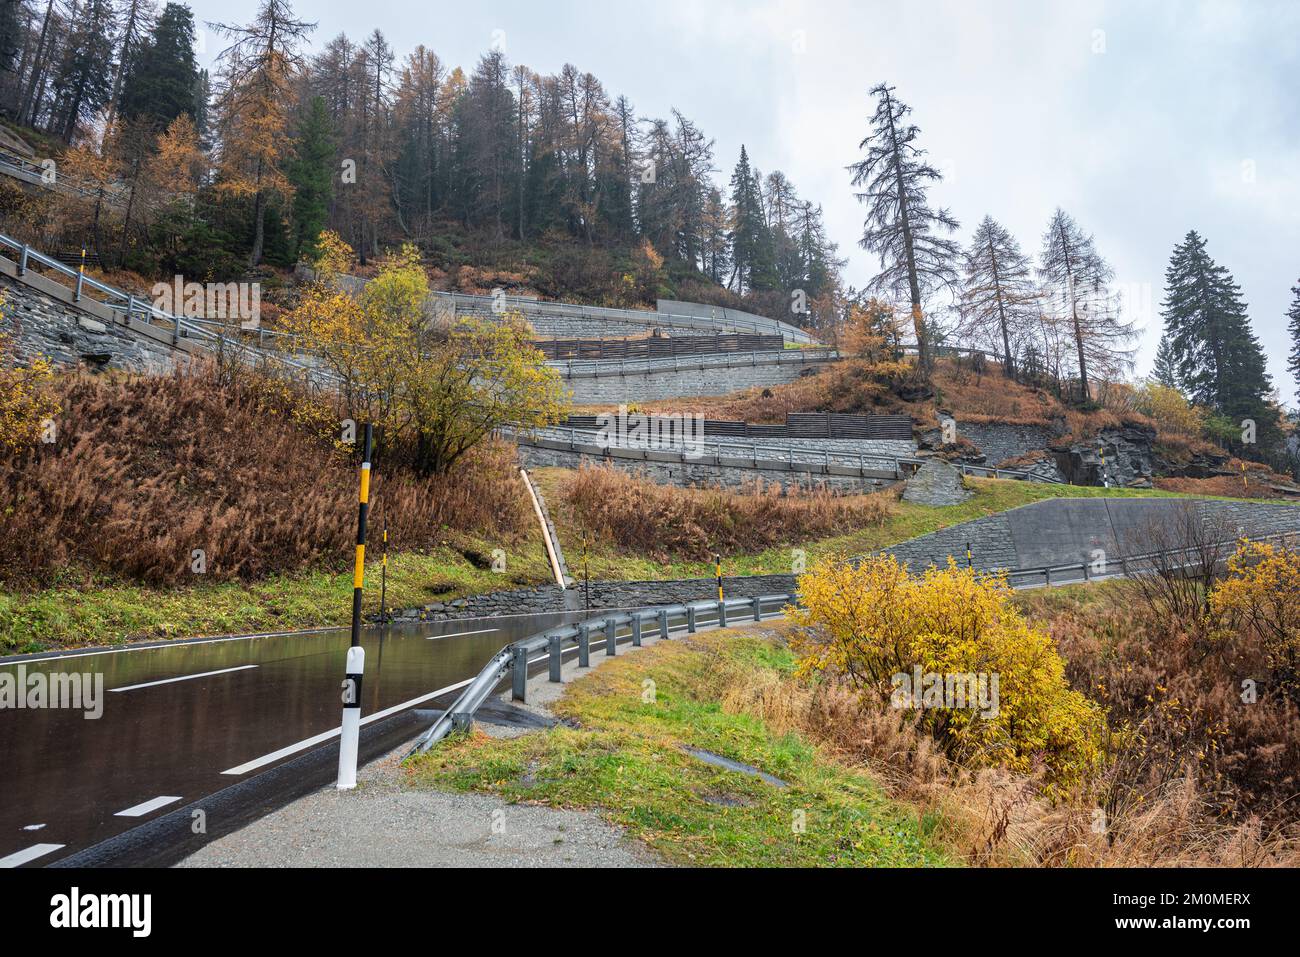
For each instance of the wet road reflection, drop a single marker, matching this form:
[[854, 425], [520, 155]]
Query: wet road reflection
[[65, 779]]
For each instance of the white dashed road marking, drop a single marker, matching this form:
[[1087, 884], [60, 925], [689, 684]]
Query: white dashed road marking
[[140, 810], [28, 854]]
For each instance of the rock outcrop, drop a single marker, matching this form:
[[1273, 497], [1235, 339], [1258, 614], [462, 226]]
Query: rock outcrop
[[936, 483]]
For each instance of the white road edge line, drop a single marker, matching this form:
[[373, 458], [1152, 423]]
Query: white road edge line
[[19, 858], [140, 810], [460, 634], [333, 732], [167, 681]]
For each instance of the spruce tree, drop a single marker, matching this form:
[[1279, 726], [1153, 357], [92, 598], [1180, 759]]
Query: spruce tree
[[160, 81], [1218, 360], [1293, 327], [900, 226], [1165, 369], [311, 172], [751, 243]]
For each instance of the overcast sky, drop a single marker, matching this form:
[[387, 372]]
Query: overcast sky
[[1141, 119]]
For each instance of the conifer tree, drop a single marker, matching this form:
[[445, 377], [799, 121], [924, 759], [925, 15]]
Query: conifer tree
[[160, 81], [999, 299], [258, 71], [901, 227], [1293, 327], [1078, 282], [1218, 360], [311, 172], [1165, 369]]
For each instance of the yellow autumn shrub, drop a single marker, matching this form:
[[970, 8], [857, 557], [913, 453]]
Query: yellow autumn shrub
[[883, 629], [26, 398], [1261, 595]]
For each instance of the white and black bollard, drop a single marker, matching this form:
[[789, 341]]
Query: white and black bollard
[[350, 732], [350, 736]]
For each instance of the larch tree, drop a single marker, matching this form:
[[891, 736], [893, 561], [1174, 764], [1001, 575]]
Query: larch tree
[[1077, 281], [999, 298], [255, 95], [901, 227]]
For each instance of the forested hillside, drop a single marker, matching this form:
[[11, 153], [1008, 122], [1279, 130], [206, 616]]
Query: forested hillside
[[502, 175]]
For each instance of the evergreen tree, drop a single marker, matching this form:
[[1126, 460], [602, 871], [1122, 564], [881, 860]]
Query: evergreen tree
[[1293, 327], [84, 79], [1165, 368], [160, 82], [1218, 360], [999, 300], [311, 173], [751, 243], [900, 226]]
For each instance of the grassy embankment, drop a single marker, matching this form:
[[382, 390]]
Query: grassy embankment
[[905, 521], [626, 758], [108, 611]]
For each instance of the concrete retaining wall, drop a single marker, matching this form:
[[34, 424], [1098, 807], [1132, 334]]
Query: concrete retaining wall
[[642, 381]]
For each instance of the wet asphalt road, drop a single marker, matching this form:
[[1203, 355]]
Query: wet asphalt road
[[183, 721]]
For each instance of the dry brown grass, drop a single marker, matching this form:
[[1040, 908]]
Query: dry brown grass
[[995, 818], [664, 522], [147, 469]]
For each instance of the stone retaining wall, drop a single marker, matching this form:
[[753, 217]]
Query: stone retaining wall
[[68, 337], [603, 594]]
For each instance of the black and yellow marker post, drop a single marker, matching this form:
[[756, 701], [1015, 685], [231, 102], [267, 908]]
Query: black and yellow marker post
[[717, 570], [350, 731], [969, 562], [363, 510]]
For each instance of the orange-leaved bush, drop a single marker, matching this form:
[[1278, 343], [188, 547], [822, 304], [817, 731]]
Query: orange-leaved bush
[[870, 623]]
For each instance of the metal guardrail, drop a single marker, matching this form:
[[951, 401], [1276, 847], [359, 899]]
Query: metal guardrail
[[208, 334], [1125, 566], [658, 347], [36, 174], [552, 645], [515, 659]]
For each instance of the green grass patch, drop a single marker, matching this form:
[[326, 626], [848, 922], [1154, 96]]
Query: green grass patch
[[625, 756], [104, 611], [908, 521]]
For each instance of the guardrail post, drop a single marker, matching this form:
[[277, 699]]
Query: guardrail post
[[663, 623], [636, 629], [518, 674], [22, 261], [690, 619], [722, 613], [556, 657], [130, 310], [76, 293], [611, 640], [757, 602], [1047, 576], [584, 646]]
